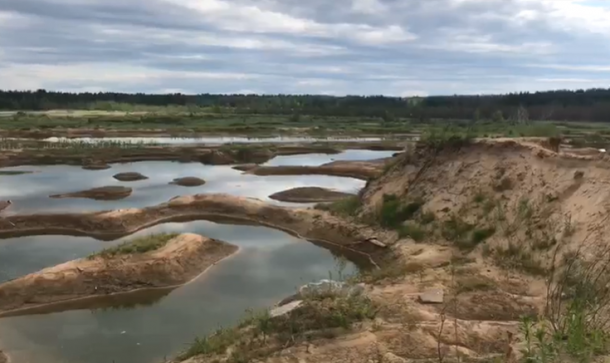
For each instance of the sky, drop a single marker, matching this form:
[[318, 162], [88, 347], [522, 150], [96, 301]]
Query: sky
[[366, 47]]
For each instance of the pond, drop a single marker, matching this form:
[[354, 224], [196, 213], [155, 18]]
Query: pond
[[29, 192], [270, 266], [146, 327]]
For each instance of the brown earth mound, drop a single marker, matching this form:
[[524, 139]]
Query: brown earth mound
[[3, 357], [130, 176], [309, 195], [351, 169], [96, 167], [102, 193], [189, 181], [181, 259]]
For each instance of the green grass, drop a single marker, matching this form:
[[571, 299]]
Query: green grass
[[347, 207], [259, 334], [136, 246]]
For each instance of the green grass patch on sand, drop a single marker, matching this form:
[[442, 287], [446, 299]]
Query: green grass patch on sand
[[136, 245]]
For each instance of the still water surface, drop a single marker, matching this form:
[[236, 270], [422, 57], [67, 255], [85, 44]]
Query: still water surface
[[29, 192], [270, 265], [144, 328]]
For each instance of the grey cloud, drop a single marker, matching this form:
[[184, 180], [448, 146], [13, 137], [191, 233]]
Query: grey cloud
[[394, 47]]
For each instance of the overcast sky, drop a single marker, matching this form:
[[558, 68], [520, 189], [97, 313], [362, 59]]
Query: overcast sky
[[391, 47]]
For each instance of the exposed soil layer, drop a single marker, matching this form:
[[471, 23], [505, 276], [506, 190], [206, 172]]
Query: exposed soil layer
[[102, 193], [216, 155], [352, 169], [309, 195], [129, 176], [177, 262], [189, 181]]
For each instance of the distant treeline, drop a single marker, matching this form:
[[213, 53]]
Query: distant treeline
[[563, 105]]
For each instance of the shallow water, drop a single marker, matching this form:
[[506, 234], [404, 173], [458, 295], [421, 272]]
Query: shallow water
[[209, 140], [269, 267], [29, 192], [148, 326]]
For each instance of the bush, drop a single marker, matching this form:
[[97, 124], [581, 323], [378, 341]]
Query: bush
[[347, 207]]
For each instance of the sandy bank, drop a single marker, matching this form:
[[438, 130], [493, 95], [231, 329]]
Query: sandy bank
[[352, 169], [102, 193], [309, 195], [307, 223], [177, 262]]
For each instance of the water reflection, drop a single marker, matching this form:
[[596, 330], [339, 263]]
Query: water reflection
[[147, 327], [29, 192]]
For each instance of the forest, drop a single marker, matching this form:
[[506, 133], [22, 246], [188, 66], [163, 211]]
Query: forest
[[591, 105]]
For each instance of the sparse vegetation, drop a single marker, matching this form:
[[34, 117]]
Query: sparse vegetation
[[137, 245], [413, 230], [346, 207], [259, 334]]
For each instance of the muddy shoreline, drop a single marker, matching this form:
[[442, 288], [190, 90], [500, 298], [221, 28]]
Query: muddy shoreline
[[92, 157], [79, 283], [310, 224], [309, 195], [349, 169]]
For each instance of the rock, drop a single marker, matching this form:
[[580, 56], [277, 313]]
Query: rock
[[245, 167], [103, 193], [96, 167], [309, 195], [131, 176], [5, 204], [285, 309], [433, 296], [189, 181], [579, 174], [376, 242]]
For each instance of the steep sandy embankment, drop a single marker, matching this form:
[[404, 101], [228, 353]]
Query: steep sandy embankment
[[181, 259], [489, 217]]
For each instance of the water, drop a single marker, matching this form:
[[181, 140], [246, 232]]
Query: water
[[146, 327], [29, 192], [269, 267], [213, 140]]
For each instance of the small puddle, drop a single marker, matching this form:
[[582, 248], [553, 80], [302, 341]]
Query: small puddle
[[147, 326]]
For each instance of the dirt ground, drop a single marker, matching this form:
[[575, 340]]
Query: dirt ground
[[180, 260]]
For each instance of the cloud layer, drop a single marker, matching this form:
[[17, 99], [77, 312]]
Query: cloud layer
[[392, 47]]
